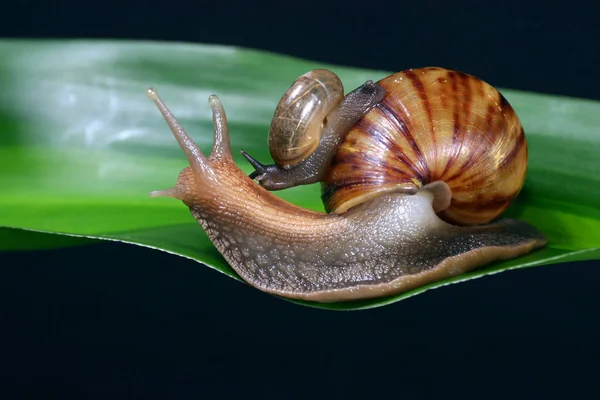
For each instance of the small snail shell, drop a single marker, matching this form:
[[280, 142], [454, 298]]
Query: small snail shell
[[298, 121], [433, 125], [375, 140]]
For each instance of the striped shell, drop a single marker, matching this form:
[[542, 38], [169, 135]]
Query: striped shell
[[434, 124]]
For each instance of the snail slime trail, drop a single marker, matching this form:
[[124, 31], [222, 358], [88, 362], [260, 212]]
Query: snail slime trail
[[416, 170]]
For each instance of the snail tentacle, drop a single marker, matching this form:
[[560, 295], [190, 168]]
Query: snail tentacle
[[201, 171], [193, 153], [259, 168], [222, 143], [385, 246], [339, 121]]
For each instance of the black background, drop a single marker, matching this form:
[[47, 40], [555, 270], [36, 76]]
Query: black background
[[118, 321]]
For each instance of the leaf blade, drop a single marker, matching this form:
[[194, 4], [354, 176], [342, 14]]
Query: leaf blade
[[81, 146]]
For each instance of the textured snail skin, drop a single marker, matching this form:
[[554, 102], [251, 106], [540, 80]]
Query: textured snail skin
[[340, 118], [382, 247]]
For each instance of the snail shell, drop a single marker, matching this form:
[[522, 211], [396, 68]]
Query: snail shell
[[298, 121], [433, 125]]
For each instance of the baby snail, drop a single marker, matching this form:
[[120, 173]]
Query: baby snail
[[415, 170]]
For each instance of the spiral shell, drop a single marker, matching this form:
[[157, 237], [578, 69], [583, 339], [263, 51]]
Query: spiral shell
[[298, 121], [434, 124]]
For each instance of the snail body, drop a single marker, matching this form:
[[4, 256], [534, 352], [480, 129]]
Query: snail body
[[414, 170]]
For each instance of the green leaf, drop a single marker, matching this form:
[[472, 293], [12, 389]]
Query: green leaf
[[81, 146]]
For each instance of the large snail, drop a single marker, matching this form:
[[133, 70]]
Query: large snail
[[414, 170]]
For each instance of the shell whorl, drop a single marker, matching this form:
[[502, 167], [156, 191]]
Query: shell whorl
[[433, 124], [297, 124]]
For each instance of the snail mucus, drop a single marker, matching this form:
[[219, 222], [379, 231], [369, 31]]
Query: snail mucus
[[415, 171]]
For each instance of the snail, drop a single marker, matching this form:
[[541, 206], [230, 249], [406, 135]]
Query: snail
[[415, 171]]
